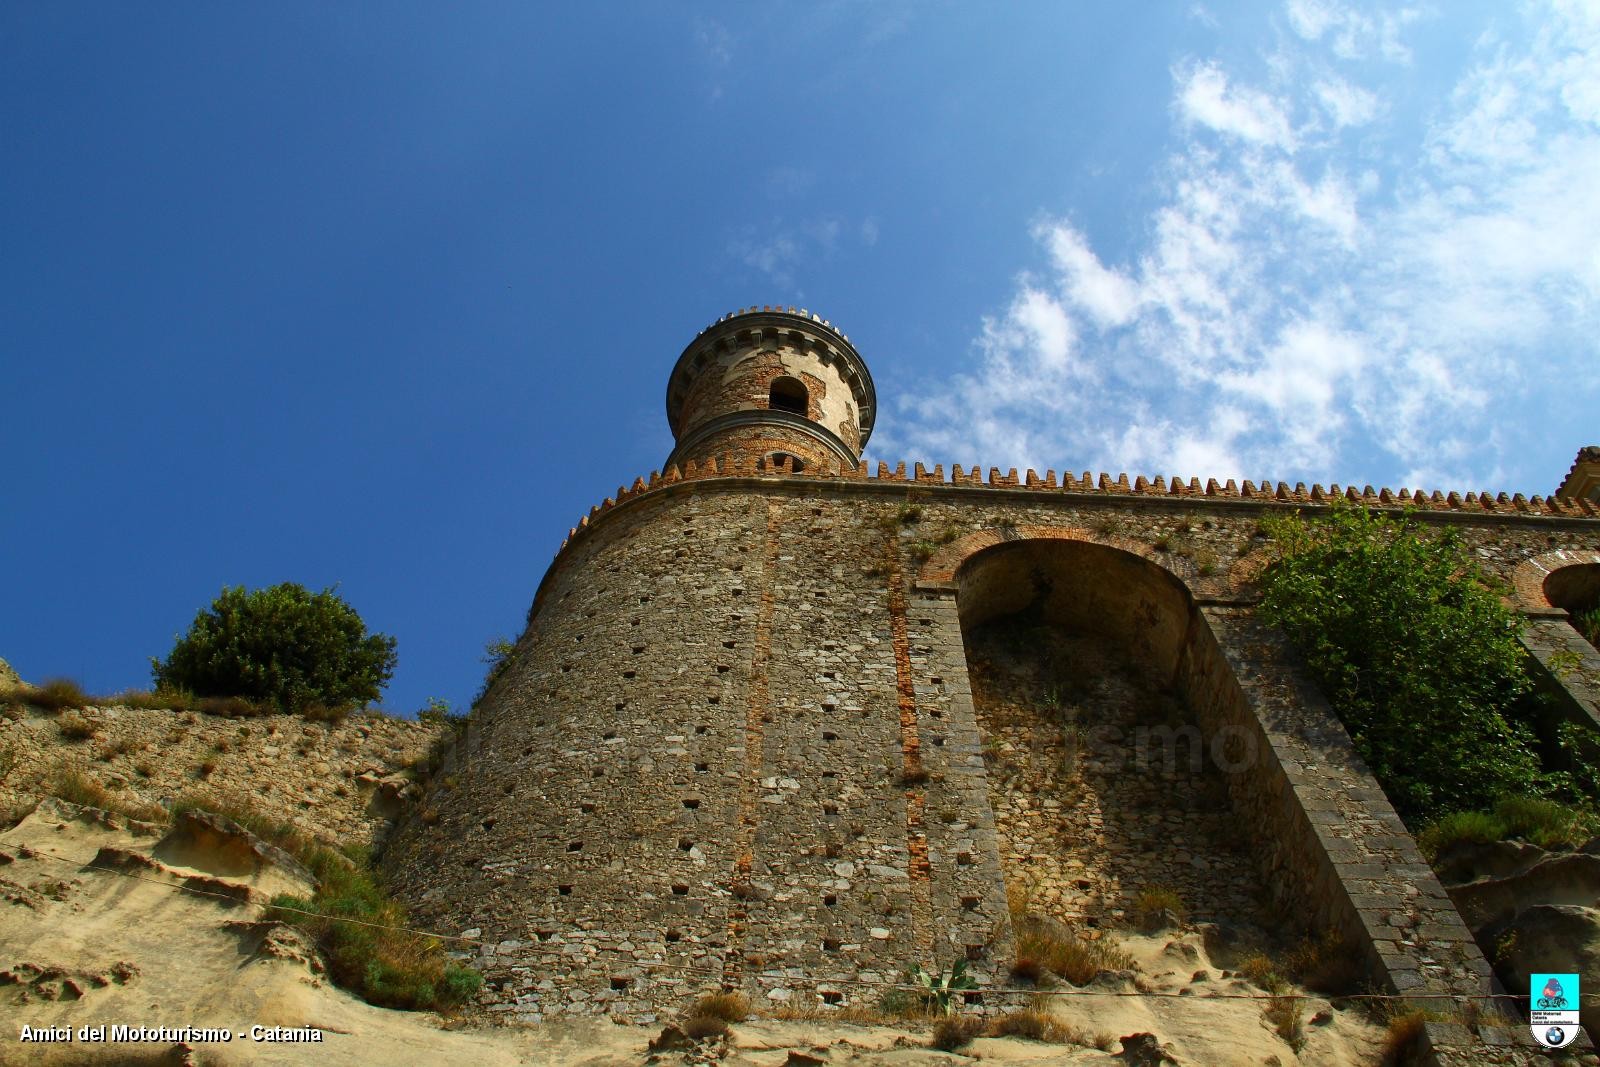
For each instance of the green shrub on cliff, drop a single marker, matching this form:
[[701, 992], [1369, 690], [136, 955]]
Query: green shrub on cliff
[[364, 936], [1415, 649], [283, 645]]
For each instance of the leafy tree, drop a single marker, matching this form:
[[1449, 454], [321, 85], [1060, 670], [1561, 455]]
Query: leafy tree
[[1415, 649], [283, 645]]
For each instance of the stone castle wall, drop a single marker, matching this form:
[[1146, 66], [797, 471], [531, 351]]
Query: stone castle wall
[[737, 744]]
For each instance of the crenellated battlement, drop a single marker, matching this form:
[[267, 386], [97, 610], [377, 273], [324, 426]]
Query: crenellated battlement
[[771, 309], [1266, 491]]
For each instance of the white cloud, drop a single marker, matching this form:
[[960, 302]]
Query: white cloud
[[1346, 104], [1205, 97], [1350, 33], [1311, 18], [1293, 313], [1108, 296]]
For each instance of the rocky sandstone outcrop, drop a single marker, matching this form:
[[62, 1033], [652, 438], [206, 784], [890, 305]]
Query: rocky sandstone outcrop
[[1534, 910], [342, 781]]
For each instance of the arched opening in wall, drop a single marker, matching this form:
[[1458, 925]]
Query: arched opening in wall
[[776, 459], [788, 394], [1577, 590], [1104, 788]]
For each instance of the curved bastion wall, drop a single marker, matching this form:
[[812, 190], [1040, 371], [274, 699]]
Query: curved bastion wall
[[737, 746], [694, 773]]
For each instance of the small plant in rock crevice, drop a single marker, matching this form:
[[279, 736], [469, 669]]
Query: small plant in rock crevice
[[942, 988]]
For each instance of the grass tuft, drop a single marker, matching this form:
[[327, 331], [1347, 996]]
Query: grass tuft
[[1403, 1044], [1542, 822], [700, 1027], [1033, 1024], [957, 1031], [75, 727], [1261, 970], [57, 694], [1155, 899], [76, 787], [1326, 965], [1055, 947], [729, 1007]]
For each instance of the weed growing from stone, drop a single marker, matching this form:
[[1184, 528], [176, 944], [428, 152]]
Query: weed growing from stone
[[941, 988], [1261, 970]]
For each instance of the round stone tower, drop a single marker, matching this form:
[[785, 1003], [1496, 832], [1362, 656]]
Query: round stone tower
[[772, 383]]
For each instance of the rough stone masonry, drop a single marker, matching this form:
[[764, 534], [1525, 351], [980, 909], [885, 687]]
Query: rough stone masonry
[[779, 726]]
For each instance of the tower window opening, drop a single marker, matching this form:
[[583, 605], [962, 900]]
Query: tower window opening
[[788, 394]]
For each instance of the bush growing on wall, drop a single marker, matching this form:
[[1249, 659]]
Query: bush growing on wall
[[283, 645], [1416, 651]]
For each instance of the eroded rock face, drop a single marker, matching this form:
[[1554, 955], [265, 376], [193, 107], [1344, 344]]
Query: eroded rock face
[[8, 677], [1561, 878], [1530, 909], [217, 845], [1552, 937], [1468, 861]]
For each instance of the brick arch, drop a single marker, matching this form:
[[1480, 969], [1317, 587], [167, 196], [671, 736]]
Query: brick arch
[[1530, 580], [940, 569]]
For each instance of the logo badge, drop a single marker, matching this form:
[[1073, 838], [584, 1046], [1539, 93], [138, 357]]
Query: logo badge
[[1553, 1009]]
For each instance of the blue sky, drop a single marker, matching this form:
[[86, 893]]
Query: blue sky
[[387, 297]]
